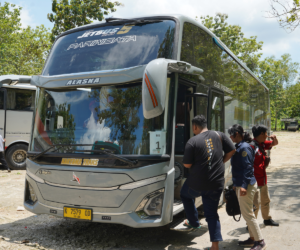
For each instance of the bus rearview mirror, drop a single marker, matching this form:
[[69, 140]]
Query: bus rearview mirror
[[155, 83]]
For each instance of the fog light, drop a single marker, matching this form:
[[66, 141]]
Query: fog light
[[151, 205], [30, 195]]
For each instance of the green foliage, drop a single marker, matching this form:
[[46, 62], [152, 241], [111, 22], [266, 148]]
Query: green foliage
[[246, 49], [288, 15], [22, 50], [293, 101], [278, 75], [121, 115], [69, 14]]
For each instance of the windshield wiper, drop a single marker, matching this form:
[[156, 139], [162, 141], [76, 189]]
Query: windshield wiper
[[103, 151], [106, 151], [132, 21]]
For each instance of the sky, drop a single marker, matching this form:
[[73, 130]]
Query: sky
[[249, 14]]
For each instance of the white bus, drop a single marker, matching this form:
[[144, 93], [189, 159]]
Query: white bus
[[114, 106], [16, 112]]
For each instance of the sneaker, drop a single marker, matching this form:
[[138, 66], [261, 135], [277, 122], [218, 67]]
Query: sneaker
[[270, 222], [259, 245], [246, 243]]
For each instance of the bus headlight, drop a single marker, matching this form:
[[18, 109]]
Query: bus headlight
[[151, 205]]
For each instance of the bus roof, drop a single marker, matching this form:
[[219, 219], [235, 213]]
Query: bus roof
[[19, 86], [182, 19], [12, 80]]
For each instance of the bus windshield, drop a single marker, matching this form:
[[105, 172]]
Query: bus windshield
[[108, 117], [111, 47]]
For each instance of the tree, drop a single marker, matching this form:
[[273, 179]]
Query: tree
[[278, 75], [69, 14], [246, 49], [9, 25], [22, 50], [287, 13], [121, 115], [293, 100]]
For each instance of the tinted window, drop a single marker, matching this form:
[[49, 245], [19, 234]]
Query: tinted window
[[111, 47], [199, 49], [246, 100], [20, 99]]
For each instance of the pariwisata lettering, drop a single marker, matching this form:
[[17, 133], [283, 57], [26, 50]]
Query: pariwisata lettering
[[123, 39]]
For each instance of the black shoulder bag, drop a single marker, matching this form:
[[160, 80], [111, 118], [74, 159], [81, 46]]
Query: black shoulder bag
[[232, 204]]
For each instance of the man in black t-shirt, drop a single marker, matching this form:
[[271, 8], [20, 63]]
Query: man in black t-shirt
[[204, 157]]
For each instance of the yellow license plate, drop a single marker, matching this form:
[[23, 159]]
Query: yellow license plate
[[71, 161], [78, 213]]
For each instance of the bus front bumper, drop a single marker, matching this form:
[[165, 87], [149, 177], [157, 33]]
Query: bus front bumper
[[126, 214]]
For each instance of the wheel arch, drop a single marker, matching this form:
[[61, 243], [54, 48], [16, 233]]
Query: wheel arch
[[16, 142]]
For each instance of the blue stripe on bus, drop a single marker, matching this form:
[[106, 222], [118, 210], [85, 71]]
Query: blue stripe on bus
[[217, 43]]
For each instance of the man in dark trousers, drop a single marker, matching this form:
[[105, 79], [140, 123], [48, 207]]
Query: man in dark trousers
[[262, 196], [204, 157], [2, 158]]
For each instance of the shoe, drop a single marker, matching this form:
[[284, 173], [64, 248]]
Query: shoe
[[8, 170], [270, 222], [246, 243], [259, 245]]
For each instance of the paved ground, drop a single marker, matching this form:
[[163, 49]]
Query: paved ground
[[48, 232]]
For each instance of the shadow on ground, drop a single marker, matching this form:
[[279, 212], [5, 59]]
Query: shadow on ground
[[55, 233]]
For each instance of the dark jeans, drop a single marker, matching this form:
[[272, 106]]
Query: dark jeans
[[3, 161], [210, 201]]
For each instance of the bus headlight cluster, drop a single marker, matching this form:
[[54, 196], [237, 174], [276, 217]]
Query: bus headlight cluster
[[151, 205]]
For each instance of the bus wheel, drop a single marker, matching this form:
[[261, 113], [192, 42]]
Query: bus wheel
[[16, 156]]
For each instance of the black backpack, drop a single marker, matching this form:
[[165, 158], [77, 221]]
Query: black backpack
[[232, 204]]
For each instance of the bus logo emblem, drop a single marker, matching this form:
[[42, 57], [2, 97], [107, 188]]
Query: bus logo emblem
[[75, 178]]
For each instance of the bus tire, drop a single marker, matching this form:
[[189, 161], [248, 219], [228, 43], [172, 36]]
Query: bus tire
[[16, 156]]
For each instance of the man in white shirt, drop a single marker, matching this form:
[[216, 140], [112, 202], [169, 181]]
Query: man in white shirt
[[2, 158]]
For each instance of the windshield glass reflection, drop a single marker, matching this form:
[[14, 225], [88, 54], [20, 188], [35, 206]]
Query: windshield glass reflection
[[111, 47], [109, 118]]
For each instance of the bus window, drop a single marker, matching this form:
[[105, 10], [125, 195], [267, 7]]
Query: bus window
[[108, 47], [20, 99], [217, 112]]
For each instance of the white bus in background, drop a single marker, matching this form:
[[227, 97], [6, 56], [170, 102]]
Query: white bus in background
[[16, 110]]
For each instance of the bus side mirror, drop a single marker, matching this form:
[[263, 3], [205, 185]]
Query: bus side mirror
[[155, 83]]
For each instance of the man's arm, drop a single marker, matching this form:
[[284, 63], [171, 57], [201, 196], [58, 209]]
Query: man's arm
[[274, 140], [227, 156], [189, 156]]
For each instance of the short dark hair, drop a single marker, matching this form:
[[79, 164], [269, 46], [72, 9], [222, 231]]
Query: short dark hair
[[258, 129], [200, 121]]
